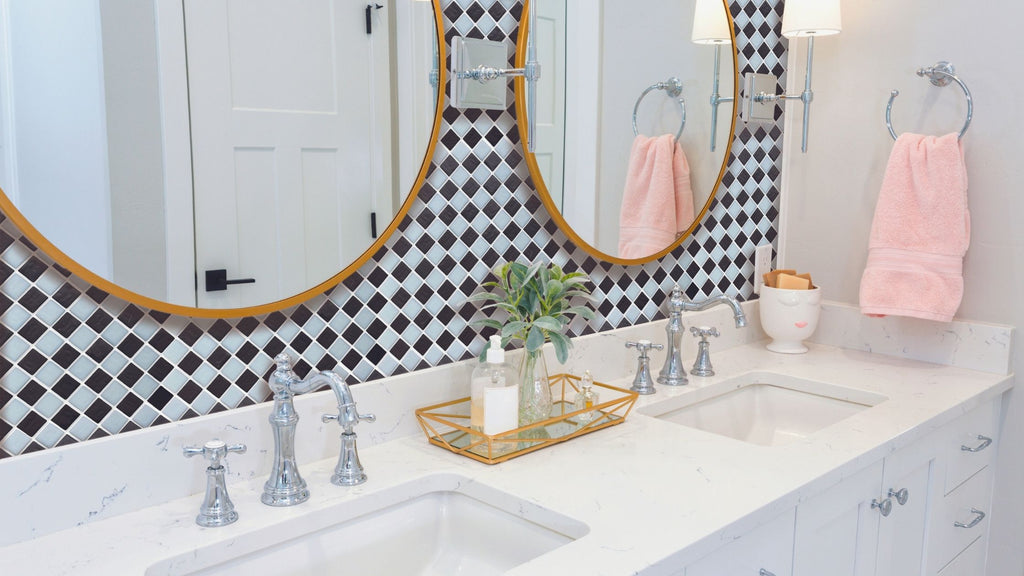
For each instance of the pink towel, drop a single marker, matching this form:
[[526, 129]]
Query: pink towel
[[657, 204], [920, 232]]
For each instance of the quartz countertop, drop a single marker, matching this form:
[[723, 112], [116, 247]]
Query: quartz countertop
[[654, 495]]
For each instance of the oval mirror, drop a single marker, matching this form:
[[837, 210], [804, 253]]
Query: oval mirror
[[240, 172], [605, 67]]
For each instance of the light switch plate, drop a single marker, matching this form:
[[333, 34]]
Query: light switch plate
[[762, 265], [470, 53], [753, 84]]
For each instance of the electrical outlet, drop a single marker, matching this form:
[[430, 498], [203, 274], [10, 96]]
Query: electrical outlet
[[762, 265]]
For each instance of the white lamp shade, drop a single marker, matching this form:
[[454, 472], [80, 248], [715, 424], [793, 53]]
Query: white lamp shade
[[710, 23], [811, 18]]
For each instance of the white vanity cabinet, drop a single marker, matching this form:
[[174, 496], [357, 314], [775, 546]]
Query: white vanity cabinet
[[764, 551], [922, 510], [873, 523]]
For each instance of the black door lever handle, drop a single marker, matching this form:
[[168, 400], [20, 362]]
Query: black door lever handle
[[217, 280]]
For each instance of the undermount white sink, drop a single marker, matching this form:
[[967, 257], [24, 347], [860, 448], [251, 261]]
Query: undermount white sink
[[439, 532], [764, 408]]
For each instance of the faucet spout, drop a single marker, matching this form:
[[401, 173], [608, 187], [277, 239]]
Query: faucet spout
[[737, 311], [349, 470], [285, 487], [673, 373]]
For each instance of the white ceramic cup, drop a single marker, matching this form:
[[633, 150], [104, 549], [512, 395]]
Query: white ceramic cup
[[789, 317]]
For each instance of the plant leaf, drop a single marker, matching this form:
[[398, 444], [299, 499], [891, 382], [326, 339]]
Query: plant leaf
[[548, 323], [562, 344], [487, 323], [535, 339], [513, 328]]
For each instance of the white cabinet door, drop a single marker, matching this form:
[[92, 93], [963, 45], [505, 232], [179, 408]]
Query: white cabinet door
[[837, 531], [903, 533], [768, 548]]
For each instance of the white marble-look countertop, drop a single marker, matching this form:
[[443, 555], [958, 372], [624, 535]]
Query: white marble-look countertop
[[653, 495]]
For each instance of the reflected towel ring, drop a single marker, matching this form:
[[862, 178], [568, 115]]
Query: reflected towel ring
[[674, 88], [940, 75]]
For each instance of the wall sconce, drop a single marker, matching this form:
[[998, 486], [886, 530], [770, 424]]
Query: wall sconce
[[801, 18], [476, 62], [710, 26]]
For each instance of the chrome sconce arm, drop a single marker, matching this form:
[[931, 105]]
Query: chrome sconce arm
[[716, 98], [465, 52], [801, 19]]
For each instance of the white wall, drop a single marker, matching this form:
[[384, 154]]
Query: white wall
[[830, 192]]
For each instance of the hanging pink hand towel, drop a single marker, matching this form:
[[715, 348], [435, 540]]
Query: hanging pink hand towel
[[920, 232], [657, 204]]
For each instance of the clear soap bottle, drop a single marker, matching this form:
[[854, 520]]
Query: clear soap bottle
[[586, 398], [494, 393]]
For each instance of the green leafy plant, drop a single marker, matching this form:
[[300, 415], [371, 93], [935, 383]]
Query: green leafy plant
[[538, 300]]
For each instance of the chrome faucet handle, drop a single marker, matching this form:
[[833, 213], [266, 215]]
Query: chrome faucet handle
[[642, 383], [217, 508], [702, 365], [349, 471]]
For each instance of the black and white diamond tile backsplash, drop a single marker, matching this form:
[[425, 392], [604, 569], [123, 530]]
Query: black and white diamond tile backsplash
[[78, 363]]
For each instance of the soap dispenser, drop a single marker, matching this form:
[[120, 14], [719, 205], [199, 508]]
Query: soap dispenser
[[494, 393]]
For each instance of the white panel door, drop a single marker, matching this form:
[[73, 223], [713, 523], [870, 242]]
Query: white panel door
[[837, 531], [768, 547], [902, 534], [290, 113], [550, 113]]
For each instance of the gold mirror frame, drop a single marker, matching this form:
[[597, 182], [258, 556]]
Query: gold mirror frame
[[538, 181], [65, 261]]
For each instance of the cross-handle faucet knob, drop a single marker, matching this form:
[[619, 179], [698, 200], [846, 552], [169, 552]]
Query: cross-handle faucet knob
[[702, 365], [704, 331], [348, 424], [213, 451], [642, 383], [217, 508]]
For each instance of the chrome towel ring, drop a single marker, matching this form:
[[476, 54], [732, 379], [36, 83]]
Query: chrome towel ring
[[940, 75], [674, 88]]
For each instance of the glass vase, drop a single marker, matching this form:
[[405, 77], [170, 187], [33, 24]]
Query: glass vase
[[534, 389]]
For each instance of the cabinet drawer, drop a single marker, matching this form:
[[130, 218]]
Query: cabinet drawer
[[962, 517], [768, 547], [970, 562], [970, 444]]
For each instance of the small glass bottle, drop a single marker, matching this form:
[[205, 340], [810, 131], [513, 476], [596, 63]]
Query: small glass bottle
[[586, 398], [494, 393]]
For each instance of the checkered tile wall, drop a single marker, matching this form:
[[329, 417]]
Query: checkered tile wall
[[77, 363]]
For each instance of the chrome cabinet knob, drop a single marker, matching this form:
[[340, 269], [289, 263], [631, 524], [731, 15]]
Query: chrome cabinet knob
[[764, 572], [885, 506], [901, 495]]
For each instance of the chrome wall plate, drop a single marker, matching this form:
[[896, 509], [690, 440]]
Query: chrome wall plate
[[467, 91], [755, 109]]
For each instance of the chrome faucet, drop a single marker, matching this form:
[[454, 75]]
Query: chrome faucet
[[217, 508], [349, 470], [674, 373], [285, 486]]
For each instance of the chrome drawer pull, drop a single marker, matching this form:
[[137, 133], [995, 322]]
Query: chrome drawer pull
[[985, 441], [764, 572], [978, 517]]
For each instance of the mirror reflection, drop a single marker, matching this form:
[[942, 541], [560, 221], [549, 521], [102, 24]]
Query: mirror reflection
[[608, 66], [276, 145]]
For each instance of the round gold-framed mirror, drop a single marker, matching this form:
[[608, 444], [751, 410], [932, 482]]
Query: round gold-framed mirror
[[606, 107], [131, 131]]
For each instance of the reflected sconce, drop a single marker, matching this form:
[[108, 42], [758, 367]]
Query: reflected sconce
[[711, 27], [800, 19], [475, 63]]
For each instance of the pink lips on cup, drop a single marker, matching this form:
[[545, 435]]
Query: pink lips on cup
[[801, 324]]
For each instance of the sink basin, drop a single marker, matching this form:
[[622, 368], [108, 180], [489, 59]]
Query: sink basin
[[764, 408], [440, 532]]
